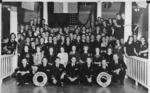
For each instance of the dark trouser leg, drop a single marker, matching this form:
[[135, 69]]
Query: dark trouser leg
[[114, 77], [19, 78], [122, 75], [27, 78], [87, 82]]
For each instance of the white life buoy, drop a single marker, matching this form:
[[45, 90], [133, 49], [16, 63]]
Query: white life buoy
[[40, 79], [103, 79]]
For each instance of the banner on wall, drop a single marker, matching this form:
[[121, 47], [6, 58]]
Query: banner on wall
[[65, 7]]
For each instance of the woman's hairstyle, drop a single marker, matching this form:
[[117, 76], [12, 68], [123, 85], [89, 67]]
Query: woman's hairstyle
[[11, 35], [129, 38]]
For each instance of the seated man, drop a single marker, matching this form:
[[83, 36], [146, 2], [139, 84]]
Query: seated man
[[118, 68], [58, 73], [72, 71], [104, 67], [45, 67], [23, 72], [88, 72]]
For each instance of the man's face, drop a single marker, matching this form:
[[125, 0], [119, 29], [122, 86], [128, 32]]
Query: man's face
[[88, 60], [115, 57], [57, 61], [73, 60]]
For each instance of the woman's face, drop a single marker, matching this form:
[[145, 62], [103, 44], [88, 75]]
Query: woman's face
[[38, 49], [51, 50], [103, 39], [114, 21], [33, 44], [97, 50], [74, 36], [92, 37], [62, 38], [28, 39], [31, 22], [22, 27], [26, 49], [87, 38], [131, 39], [62, 49], [118, 42], [110, 21], [42, 40], [12, 37], [85, 48], [68, 39], [118, 16], [142, 40], [78, 38], [54, 39], [73, 48], [50, 38], [41, 30], [109, 50]]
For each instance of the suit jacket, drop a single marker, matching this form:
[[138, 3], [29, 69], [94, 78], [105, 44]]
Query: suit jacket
[[88, 71], [72, 71], [57, 72], [120, 65]]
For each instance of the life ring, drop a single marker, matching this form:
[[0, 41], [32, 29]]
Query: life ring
[[103, 79], [40, 79]]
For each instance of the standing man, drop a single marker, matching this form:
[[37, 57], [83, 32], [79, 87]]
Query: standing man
[[118, 68]]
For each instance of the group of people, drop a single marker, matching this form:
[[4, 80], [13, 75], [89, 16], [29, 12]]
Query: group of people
[[73, 56]]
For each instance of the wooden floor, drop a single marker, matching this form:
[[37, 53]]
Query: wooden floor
[[9, 86]]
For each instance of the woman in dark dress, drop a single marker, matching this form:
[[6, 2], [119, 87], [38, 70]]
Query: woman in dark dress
[[68, 45], [143, 48], [50, 56], [97, 56], [119, 25], [129, 47], [74, 53], [119, 49], [78, 44], [12, 44], [50, 42], [103, 45], [26, 54], [109, 55]]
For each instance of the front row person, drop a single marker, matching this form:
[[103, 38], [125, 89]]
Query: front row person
[[118, 69], [88, 72], [72, 72], [58, 73], [46, 68], [23, 72]]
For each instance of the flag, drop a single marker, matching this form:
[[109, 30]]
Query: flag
[[28, 5], [65, 7]]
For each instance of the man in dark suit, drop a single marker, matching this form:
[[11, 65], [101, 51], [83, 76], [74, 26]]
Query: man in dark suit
[[72, 72], [45, 67], [88, 72], [58, 73], [118, 69], [23, 72]]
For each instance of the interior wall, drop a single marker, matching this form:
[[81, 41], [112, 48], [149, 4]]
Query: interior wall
[[25, 15], [5, 23]]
